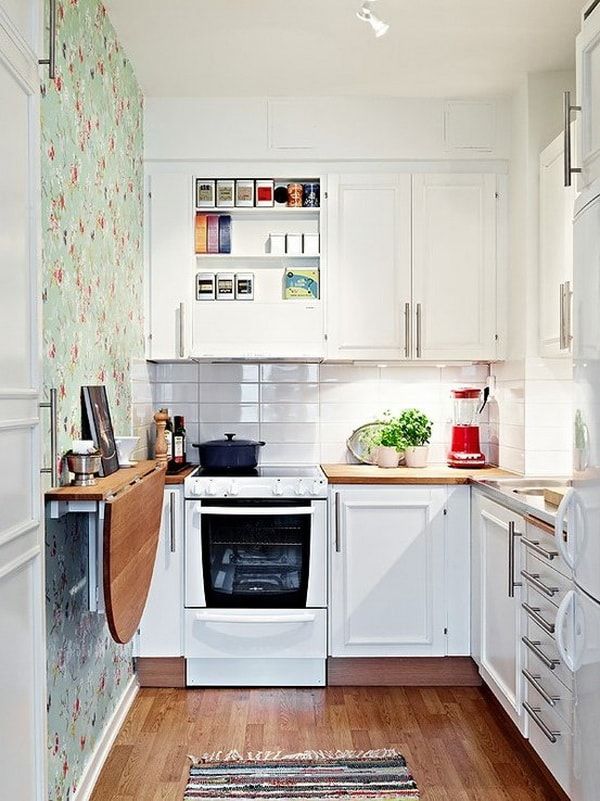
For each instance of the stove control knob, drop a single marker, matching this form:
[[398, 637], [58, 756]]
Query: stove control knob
[[316, 487], [196, 488], [300, 489], [212, 488], [278, 488], [234, 489]]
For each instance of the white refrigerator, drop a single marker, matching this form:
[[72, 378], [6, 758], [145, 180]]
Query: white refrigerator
[[578, 621]]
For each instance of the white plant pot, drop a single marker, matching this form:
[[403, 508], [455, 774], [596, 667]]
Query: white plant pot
[[417, 456], [387, 457]]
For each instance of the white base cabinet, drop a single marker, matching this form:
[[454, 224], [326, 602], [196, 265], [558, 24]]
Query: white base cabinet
[[393, 569], [161, 627]]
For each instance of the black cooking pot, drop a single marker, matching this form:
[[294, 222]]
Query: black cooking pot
[[229, 453]]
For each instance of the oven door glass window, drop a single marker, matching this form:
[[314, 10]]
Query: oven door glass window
[[256, 554]]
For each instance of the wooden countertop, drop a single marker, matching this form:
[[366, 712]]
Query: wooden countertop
[[105, 487], [180, 477], [432, 474]]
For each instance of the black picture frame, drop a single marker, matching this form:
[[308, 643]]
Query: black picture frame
[[96, 424]]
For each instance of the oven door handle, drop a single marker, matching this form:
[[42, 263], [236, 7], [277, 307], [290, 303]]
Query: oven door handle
[[257, 511], [221, 617]]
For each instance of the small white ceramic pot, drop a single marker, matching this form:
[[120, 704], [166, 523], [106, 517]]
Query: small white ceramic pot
[[125, 449], [417, 456], [387, 457]]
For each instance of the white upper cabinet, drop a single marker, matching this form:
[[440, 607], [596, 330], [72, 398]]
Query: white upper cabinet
[[369, 284], [588, 96], [556, 252], [412, 267], [171, 249], [454, 266]]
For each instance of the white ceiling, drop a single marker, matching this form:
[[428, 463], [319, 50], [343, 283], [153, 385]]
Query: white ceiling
[[258, 48]]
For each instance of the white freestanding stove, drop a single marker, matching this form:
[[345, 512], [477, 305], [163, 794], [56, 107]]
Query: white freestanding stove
[[256, 577]]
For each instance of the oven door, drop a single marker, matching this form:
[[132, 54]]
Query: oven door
[[255, 554]]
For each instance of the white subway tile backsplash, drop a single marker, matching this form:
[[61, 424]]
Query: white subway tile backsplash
[[465, 375], [209, 431], [548, 438], [228, 373], [289, 393], [228, 412], [331, 453], [350, 392], [290, 412], [274, 453], [410, 374], [169, 373], [171, 393], [346, 373], [549, 391], [290, 432], [229, 393], [294, 373]]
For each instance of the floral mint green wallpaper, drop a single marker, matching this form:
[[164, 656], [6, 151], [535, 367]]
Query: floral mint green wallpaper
[[92, 221]]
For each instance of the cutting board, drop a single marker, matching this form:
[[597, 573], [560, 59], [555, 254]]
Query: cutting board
[[554, 495]]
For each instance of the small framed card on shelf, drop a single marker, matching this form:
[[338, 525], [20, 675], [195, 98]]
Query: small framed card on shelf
[[264, 192], [205, 193], [244, 193], [225, 193]]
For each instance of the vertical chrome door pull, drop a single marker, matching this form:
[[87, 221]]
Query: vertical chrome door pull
[[338, 541], [52, 405], [512, 533], [172, 522], [567, 314], [181, 330], [407, 330], [51, 60], [567, 110], [561, 334], [419, 317]]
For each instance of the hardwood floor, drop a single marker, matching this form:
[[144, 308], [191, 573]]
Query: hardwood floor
[[450, 737]]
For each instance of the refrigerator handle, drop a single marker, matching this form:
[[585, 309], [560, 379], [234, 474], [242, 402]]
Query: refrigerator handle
[[562, 539], [561, 616]]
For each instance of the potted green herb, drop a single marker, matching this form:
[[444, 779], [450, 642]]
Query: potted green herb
[[415, 429], [390, 441]]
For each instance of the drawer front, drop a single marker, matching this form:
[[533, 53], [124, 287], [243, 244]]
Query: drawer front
[[542, 689], [541, 655], [242, 633], [542, 577], [551, 738], [538, 542]]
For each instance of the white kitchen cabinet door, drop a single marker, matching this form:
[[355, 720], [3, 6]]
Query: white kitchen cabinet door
[[22, 596], [454, 266], [498, 531], [171, 265], [588, 97], [387, 593], [556, 252], [161, 627], [369, 267]]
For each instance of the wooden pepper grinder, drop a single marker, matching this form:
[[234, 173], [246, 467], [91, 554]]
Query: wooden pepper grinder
[[160, 448]]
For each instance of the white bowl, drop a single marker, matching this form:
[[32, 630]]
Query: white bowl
[[125, 448]]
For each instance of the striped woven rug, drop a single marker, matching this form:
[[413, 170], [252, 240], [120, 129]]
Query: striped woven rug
[[315, 775]]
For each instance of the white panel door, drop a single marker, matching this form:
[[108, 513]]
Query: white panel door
[[588, 97], [500, 613], [387, 594], [555, 267], [22, 628], [454, 266], [171, 265], [161, 626], [369, 282]]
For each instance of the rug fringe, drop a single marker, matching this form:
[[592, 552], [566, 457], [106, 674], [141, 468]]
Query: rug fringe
[[276, 756]]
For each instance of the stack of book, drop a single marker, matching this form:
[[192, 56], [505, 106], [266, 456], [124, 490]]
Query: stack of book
[[213, 233]]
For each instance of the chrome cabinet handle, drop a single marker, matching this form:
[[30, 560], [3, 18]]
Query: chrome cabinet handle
[[407, 330], [172, 522], [51, 60], [534, 714], [419, 317], [512, 533], [533, 679], [561, 334], [534, 647], [181, 330], [534, 580], [52, 405], [534, 614], [568, 108], [535, 546], [338, 541], [567, 294]]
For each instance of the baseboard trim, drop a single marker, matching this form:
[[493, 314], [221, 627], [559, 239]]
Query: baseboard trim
[[420, 671], [95, 763], [509, 728]]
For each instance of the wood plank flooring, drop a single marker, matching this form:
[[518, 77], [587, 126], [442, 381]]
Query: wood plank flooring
[[451, 739]]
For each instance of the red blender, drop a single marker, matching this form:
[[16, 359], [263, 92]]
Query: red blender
[[465, 450]]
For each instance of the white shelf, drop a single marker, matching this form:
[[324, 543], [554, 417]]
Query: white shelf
[[263, 257], [269, 210]]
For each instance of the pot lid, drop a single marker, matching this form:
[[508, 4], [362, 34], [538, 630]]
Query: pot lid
[[466, 392], [230, 442]]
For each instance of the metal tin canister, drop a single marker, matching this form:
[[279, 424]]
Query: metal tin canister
[[294, 194], [311, 195]]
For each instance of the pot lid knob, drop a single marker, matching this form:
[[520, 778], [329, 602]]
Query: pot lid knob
[[230, 437]]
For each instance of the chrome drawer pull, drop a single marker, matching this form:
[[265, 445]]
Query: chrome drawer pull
[[534, 647], [534, 580], [533, 679], [534, 614], [533, 713], [537, 548]]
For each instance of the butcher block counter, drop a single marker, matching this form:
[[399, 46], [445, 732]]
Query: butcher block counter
[[432, 474]]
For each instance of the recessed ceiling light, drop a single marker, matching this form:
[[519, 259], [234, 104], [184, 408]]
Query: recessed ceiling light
[[365, 14]]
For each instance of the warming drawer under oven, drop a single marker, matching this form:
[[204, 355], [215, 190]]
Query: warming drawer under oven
[[256, 592]]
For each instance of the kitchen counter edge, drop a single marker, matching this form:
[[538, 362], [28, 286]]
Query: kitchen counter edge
[[432, 474]]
